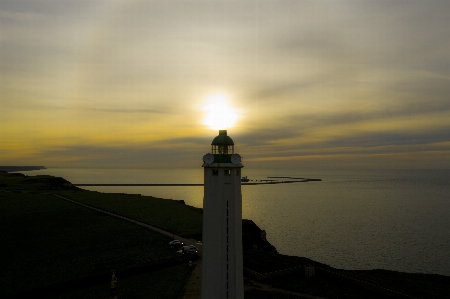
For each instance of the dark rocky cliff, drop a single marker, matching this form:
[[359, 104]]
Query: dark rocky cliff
[[255, 238]]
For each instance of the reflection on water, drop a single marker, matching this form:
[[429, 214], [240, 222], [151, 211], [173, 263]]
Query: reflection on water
[[354, 220]]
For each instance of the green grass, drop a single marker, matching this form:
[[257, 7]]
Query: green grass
[[163, 284], [18, 181], [46, 240], [258, 294], [170, 215]]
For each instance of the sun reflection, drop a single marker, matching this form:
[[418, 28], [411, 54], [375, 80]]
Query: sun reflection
[[218, 112]]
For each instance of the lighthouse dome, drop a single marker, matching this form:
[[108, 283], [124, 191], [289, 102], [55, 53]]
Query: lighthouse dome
[[222, 139], [222, 147]]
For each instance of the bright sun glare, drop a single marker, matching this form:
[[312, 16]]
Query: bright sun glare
[[218, 112]]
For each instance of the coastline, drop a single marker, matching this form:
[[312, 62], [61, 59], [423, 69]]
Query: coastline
[[20, 168], [258, 259]]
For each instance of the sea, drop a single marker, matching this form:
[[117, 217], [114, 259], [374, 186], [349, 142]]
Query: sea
[[357, 220]]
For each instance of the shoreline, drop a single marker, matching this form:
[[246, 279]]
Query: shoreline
[[271, 268]]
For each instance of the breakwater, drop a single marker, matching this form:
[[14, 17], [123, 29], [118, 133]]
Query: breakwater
[[262, 182]]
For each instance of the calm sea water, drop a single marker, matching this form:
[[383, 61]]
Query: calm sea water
[[395, 220]]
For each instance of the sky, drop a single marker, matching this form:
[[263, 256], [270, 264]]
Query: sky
[[313, 84]]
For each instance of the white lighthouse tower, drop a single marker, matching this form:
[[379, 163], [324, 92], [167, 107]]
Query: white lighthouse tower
[[222, 267]]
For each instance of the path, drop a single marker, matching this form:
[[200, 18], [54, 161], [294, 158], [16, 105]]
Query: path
[[254, 285], [184, 240], [192, 289]]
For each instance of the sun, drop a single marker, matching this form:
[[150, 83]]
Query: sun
[[218, 112]]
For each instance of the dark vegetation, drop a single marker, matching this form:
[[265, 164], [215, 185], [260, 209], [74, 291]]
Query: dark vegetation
[[259, 294], [254, 238], [48, 242], [163, 283], [170, 215]]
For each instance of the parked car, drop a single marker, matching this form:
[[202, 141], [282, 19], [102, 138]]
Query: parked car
[[189, 249], [176, 244]]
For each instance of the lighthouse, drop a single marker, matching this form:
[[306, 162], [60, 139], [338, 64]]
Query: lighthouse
[[222, 266]]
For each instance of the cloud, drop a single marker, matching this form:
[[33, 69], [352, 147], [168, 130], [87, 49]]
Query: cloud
[[138, 155], [127, 110], [120, 79]]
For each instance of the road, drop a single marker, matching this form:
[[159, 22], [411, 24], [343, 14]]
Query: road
[[192, 289], [156, 229]]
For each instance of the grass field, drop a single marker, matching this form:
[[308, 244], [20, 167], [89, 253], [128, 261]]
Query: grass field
[[258, 294], [47, 240], [170, 215], [162, 284]]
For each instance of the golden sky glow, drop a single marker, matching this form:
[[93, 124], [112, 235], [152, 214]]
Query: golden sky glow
[[297, 83], [219, 114]]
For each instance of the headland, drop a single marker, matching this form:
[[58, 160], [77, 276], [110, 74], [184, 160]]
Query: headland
[[54, 247], [20, 168]]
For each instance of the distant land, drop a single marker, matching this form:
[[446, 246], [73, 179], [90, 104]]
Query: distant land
[[20, 168]]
